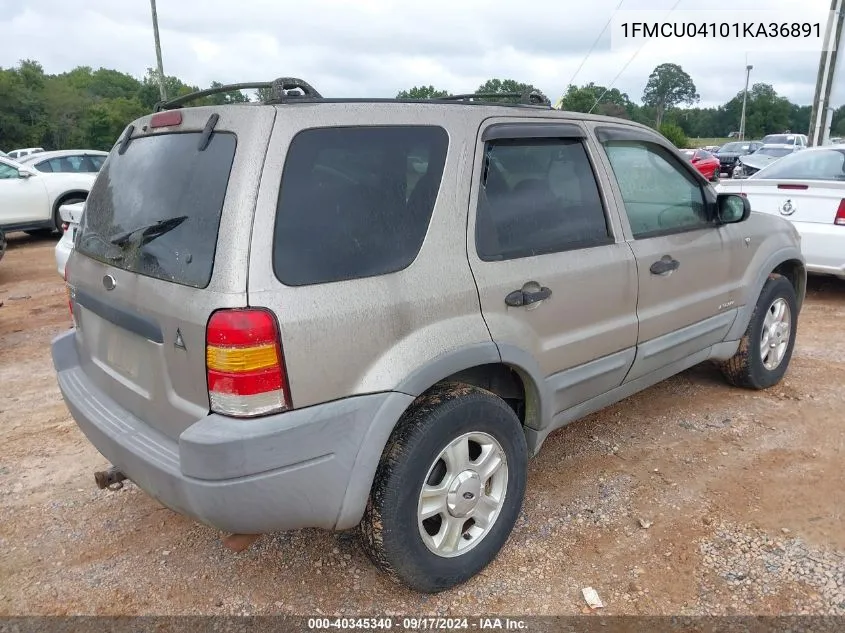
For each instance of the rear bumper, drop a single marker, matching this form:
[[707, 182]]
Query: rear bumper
[[310, 467], [823, 247]]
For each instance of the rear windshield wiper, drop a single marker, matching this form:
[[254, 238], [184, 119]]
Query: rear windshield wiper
[[148, 232]]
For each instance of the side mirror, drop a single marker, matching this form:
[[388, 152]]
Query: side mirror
[[732, 208], [25, 173]]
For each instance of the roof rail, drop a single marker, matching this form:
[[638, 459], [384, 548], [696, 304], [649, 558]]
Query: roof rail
[[527, 97], [281, 90], [287, 89]]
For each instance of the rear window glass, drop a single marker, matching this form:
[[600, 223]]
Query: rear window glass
[[821, 164], [155, 210], [356, 202]]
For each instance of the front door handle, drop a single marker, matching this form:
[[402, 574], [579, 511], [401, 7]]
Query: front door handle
[[664, 265], [527, 295]]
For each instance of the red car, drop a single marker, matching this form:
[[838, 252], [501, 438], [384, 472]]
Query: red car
[[704, 162]]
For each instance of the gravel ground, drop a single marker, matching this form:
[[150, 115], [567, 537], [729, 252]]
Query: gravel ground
[[689, 498]]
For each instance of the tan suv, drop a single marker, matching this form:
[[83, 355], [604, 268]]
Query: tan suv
[[318, 312]]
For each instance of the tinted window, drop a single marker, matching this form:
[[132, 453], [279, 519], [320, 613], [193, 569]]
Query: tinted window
[[785, 139], [7, 171], [95, 162], [734, 147], [44, 165], [165, 185], [356, 202], [537, 196], [660, 196], [774, 151], [825, 164]]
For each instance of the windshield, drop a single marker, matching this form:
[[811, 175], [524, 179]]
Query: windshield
[[777, 152], [786, 139], [155, 210], [823, 164], [734, 147]]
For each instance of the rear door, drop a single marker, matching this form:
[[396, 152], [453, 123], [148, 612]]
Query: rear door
[[555, 277], [163, 242], [684, 269]]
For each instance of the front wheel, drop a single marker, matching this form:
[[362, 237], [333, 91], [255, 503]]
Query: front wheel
[[766, 348], [448, 489]]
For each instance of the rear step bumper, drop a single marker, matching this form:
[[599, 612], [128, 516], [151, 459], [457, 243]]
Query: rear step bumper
[[309, 467]]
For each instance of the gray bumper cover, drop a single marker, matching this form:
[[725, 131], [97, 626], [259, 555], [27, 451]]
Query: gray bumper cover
[[309, 467]]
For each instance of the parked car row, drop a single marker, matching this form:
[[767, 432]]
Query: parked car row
[[740, 159], [33, 187], [808, 189]]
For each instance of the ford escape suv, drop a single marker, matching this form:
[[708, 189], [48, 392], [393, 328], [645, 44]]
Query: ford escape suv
[[332, 313]]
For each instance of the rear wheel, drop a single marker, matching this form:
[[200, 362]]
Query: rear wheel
[[766, 348], [448, 489]]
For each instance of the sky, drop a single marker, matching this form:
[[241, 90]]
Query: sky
[[357, 48]]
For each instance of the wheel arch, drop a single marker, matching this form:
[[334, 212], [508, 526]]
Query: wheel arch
[[510, 373], [68, 195], [785, 261]]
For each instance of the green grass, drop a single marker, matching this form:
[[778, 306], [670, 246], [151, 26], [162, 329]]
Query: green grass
[[701, 142]]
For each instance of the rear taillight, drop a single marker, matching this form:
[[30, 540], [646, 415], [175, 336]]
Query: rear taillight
[[840, 214], [246, 369], [65, 227]]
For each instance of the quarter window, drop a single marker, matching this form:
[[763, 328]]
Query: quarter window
[[660, 196], [537, 196], [356, 202]]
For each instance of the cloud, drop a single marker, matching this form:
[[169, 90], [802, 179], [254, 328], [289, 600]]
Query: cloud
[[378, 47]]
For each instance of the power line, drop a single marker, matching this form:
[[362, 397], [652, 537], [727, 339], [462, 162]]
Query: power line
[[590, 52], [628, 63]]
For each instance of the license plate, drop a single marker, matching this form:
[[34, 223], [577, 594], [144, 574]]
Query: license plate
[[123, 354]]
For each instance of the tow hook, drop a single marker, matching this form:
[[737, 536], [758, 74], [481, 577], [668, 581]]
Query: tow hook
[[111, 478]]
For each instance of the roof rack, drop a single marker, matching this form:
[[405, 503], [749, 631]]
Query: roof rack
[[528, 97], [287, 89], [281, 91]]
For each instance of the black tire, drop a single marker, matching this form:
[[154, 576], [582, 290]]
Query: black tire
[[390, 527], [746, 368], [57, 216]]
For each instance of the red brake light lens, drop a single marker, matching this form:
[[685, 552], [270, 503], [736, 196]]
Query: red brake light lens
[[245, 365], [65, 227], [840, 214], [166, 118], [798, 187]]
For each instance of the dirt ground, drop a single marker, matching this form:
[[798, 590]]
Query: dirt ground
[[742, 494]]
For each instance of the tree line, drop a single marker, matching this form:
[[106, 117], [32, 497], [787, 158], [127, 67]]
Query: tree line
[[87, 108]]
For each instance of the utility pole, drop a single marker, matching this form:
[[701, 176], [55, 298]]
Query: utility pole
[[744, 101], [158, 52], [821, 114]]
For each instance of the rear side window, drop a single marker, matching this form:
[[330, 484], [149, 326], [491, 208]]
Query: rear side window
[[155, 210], [538, 196], [356, 202]]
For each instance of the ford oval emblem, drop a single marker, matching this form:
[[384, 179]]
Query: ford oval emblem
[[109, 283]]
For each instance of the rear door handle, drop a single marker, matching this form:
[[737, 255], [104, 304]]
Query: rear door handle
[[664, 265], [523, 297]]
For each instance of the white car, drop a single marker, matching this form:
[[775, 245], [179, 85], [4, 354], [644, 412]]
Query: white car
[[17, 154], [32, 192], [808, 189], [71, 217]]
